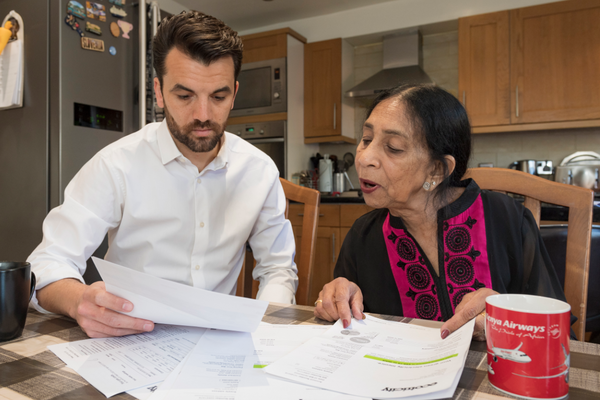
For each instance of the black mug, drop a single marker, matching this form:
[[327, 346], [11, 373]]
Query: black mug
[[17, 284]]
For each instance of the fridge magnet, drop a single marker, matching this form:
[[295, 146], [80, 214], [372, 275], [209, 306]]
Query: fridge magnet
[[92, 44], [119, 3], [95, 11], [114, 29], [95, 29], [126, 27], [112, 50], [72, 22], [118, 12], [75, 8], [12, 61]]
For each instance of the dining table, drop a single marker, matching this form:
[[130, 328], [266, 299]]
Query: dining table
[[28, 370]]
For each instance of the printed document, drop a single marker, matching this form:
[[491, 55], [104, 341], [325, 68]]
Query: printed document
[[114, 365], [378, 359], [230, 366], [167, 302]]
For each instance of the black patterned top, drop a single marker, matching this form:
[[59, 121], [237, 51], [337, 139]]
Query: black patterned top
[[485, 239]]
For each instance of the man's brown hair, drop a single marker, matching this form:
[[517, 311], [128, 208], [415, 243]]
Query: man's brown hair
[[199, 36]]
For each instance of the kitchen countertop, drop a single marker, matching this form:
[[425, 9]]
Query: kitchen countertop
[[549, 212]]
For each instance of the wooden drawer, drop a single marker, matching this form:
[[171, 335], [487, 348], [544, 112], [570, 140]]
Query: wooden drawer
[[351, 212], [329, 214]]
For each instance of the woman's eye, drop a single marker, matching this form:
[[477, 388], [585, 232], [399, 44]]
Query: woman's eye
[[366, 141], [393, 150]]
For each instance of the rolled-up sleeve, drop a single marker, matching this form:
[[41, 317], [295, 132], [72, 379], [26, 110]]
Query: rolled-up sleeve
[[273, 245], [75, 229]]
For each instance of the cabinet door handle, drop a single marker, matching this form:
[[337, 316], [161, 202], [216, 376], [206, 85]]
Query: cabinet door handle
[[302, 215], [334, 115], [517, 102], [333, 247], [464, 103]]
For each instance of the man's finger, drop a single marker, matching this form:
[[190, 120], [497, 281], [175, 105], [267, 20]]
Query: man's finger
[[114, 319], [104, 299]]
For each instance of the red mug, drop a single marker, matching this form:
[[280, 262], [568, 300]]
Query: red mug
[[528, 345]]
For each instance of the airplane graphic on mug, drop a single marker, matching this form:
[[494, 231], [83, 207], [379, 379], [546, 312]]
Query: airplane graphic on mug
[[566, 363], [510, 354]]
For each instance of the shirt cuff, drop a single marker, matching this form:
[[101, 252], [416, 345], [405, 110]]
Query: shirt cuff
[[276, 293]]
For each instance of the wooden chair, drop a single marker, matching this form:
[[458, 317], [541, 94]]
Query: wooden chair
[[305, 250], [580, 202]]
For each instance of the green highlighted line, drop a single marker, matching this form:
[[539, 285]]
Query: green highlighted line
[[260, 365], [409, 363]]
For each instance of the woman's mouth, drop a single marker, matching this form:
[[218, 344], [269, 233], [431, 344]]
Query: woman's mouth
[[368, 186]]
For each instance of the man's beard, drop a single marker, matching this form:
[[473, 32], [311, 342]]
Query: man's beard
[[185, 136]]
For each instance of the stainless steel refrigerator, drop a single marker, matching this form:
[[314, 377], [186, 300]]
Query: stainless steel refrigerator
[[75, 102]]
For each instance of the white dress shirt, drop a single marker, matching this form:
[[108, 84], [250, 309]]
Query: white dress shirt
[[165, 218]]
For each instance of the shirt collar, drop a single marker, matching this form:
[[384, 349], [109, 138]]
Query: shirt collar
[[169, 151], [166, 144]]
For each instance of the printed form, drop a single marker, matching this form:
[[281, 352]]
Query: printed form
[[115, 365], [230, 366], [378, 359]]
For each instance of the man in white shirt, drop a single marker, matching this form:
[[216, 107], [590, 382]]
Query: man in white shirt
[[178, 199]]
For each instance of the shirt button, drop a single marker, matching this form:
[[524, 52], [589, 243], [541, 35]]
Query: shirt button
[[197, 267], [201, 224], [199, 180]]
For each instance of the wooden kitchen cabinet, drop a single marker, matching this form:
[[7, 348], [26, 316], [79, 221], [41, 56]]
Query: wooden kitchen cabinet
[[327, 114], [555, 62], [531, 68], [483, 79], [335, 221]]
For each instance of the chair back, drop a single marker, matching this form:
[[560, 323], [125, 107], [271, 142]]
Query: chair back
[[579, 201], [305, 250]]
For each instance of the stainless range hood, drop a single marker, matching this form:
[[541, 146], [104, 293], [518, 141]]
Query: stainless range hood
[[402, 62]]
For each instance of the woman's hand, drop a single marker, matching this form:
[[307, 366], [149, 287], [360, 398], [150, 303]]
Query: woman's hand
[[340, 299], [471, 306]]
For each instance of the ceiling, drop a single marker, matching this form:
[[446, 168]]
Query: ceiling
[[242, 15]]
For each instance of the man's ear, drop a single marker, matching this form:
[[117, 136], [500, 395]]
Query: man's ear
[[158, 92], [237, 87], [438, 171]]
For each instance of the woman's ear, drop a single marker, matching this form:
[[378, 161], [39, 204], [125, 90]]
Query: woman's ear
[[438, 172]]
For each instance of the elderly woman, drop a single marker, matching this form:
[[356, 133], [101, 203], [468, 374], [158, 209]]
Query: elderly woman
[[436, 246]]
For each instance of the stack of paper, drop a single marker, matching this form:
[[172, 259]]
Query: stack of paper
[[372, 358]]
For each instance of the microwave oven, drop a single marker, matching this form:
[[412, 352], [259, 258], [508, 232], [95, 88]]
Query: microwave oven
[[263, 88]]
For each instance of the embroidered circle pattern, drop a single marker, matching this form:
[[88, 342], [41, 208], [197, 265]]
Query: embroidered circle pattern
[[406, 249], [417, 276], [458, 296], [426, 307], [460, 270], [458, 239]]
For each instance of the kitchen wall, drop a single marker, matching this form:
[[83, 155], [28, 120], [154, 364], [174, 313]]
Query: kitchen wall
[[440, 61]]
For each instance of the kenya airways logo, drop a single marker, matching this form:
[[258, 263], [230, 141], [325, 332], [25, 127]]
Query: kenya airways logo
[[554, 331]]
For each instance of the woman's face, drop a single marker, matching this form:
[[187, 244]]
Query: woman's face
[[391, 160]]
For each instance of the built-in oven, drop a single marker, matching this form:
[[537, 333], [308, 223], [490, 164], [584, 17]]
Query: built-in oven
[[263, 88], [270, 137]]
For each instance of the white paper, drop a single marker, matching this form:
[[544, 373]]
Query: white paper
[[379, 359], [166, 302], [115, 365], [229, 366]]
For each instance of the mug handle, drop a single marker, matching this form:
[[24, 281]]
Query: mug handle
[[32, 286]]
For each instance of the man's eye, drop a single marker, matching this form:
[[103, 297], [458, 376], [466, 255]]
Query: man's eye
[[183, 97], [219, 98]]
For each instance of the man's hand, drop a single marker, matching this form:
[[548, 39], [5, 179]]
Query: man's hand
[[337, 299], [94, 309], [471, 306]]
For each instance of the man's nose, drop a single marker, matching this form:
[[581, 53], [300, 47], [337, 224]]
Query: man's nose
[[202, 111]]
